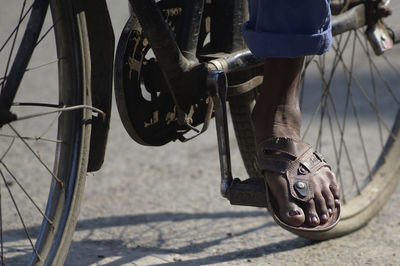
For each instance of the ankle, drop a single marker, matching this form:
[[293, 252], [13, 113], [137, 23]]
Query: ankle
[[282, 121]]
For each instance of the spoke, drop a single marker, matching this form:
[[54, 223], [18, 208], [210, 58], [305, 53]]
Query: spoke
[[47, 31], [32, 138], [26, 193], [333, 138], [319, 68], [14, 40], [360, 135], [325, 89], [343, 128], [34, 68], [390, 64], [16, 28], [50, 126], [65, 109], [374, 108], [363, 91], [338, 59], [329, 96], [37, 157], [373, 83], [42, 65], [8, 149], [327, 85], [344, 145], [355, 181], [19, 214], [357, 83], [349, 96], [385, 82]]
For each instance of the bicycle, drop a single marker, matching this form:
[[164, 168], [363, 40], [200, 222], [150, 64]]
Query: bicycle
[[197, 44]]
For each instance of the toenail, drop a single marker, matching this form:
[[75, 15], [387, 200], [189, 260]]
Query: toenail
[[324, 217], [330, 211], [314, 219], [337, 202], [294, 212]]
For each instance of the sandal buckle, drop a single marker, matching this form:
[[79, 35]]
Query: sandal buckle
[[303, 170], [301, 188]]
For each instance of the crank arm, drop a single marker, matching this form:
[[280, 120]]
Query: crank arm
[[217, 87], [250, 192]]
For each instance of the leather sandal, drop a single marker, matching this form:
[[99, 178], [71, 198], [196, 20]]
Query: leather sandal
[[297, 162]]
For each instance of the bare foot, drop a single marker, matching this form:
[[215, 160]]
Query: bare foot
[[277, 115]]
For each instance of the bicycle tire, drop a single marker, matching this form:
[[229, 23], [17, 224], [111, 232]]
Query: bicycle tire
[[52, 230], [381, 179]]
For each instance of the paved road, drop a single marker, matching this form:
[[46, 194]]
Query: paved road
[[161, 206]]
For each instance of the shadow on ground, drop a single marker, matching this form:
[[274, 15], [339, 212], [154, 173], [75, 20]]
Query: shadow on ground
[[124, 250]]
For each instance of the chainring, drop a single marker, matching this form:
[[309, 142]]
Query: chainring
[[145, 105]]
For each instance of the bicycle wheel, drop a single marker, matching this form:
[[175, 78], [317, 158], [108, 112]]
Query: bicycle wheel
[[350, 106], [43, 158]]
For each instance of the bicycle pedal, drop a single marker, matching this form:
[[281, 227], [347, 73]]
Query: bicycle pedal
[[250, 192]]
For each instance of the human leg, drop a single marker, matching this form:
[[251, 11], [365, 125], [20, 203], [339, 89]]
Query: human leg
[[277, 115]]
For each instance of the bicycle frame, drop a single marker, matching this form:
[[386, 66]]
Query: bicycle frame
[[177, 61], [183, 70]]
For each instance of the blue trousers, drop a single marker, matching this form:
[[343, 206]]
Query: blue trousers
[[288, 28]]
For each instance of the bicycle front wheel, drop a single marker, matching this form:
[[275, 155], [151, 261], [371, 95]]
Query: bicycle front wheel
[[350, 103], [44, 152]]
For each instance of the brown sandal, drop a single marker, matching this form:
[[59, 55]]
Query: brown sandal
[[297, 161]]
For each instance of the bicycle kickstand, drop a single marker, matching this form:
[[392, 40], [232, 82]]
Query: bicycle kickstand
[[250, 192]]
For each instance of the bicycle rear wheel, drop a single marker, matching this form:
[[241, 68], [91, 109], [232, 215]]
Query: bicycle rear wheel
[[43, 158], [350, 104]]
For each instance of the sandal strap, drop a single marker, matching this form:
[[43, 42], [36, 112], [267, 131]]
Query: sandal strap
[[277, 154], [294, 159]]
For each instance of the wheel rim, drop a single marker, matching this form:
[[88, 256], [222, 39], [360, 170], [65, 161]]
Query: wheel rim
[[39, 155]]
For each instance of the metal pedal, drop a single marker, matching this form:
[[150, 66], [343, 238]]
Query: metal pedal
[[250, 192]]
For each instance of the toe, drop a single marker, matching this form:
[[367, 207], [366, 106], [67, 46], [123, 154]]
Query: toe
[[289, 212], [329, 200], [334, 188], [335, 191], [292, 214], [336, 194], [321, 207], [312, 218]]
